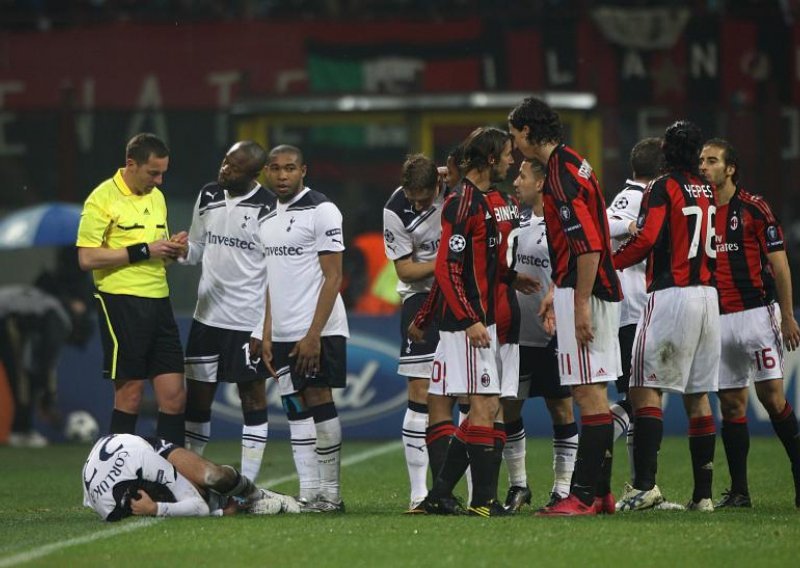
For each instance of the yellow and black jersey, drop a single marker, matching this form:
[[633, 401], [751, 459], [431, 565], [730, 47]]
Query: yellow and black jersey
[[114, 217]]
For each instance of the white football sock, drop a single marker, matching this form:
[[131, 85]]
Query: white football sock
[[254, 439], [621, 420], [414, 424], [629, 446], [514, 455], [564, 452], [329, 448], [197, 434], [468, 472], [304, 444]]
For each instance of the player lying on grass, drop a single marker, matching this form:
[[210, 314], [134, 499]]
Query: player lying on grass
[[128, 475]]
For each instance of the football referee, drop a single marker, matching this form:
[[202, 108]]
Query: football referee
[[123, 238]]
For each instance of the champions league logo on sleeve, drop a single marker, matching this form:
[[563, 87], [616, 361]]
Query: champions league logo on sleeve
[[565, 212], [772, 235], [457, 243], [621, 203], [389, 236]]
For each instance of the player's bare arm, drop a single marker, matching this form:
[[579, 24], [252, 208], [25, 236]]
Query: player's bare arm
[[307, 350], [526, 284], [92, 258], [783, 283], [547, 312], [266, 337], [587, 272], [409, 271]]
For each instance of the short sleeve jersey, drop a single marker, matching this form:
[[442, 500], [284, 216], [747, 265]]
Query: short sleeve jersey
[[114, 217], [295, 234], [747, 230], [408, 233], [623, 210], [532, 258], [575, 211], [225, 238], [120, 463], [506, 308], [676, 233]]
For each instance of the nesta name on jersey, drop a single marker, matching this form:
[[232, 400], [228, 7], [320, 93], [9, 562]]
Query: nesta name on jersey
[[698, 190], [233, 242]]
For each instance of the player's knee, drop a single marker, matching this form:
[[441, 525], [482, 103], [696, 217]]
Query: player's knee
[[253, 396], [418, 390], [560, 410], [218, 476]]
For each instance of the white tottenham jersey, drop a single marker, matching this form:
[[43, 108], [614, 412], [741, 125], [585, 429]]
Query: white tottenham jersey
[[407, 232], [533, 259], [120, 464], [624, 209], [294, 235], [225, 238]]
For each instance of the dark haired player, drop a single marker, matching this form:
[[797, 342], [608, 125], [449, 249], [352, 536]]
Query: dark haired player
[[586, 298], [754, 328], [677, 347]]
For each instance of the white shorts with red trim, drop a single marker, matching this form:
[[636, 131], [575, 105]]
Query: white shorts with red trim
[[677, 343], [460, 369], [508, 366], [600, 361], [752, 347]]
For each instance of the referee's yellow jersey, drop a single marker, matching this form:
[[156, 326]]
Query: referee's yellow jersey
[[114, 217]]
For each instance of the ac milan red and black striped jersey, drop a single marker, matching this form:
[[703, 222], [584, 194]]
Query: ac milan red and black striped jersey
[[466, 263], [575, 215], [506, 307], [676, 233], [747, 231]]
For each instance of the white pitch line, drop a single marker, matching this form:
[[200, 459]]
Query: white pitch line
[[137, 524], [54, 546]]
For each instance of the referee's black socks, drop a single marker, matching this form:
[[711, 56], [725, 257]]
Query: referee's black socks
[[170, 427], [122, 422]]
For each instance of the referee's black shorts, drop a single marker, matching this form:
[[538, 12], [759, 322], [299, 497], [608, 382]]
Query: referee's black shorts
[[139, 335]]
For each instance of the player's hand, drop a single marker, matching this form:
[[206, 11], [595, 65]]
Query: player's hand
[[583, 323], [307, 352], [526, 284], [633, 229], [479, 336], [182, 239], [143, 505], [548, 316], [791, 333], [165, 249], [266, 355], [415, 334]]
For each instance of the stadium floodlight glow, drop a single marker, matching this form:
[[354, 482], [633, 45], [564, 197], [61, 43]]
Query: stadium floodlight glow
[[413, 102]]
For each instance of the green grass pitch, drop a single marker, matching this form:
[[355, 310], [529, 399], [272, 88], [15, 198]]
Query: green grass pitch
[[42, 522]]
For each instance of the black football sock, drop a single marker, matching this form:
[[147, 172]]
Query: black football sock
[[646, 444], [437, 438], [455, 464], [483, 461], [785, 426], [122, 422], [597, 431], [702, 438], [604, 481], [171, 427], [736, 440]]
